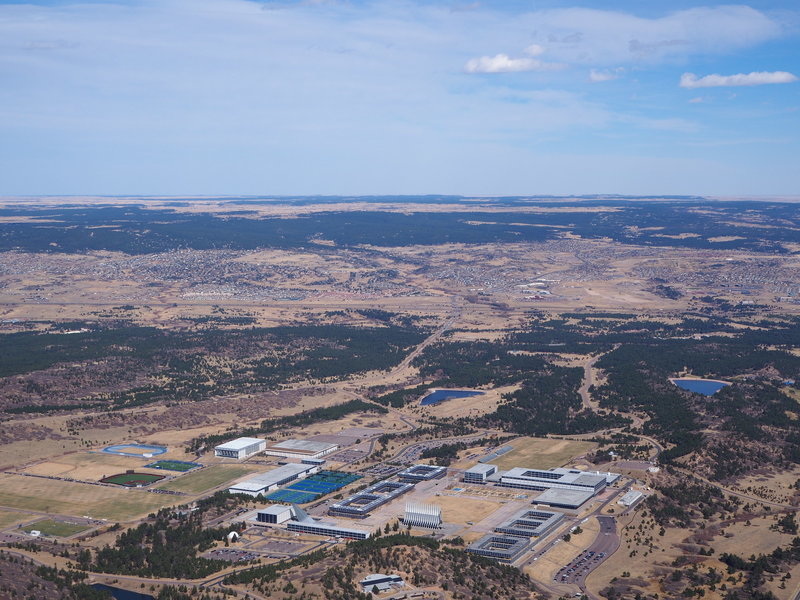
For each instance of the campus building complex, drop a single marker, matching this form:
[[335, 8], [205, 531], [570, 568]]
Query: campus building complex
[[417, 473], [359, 505], [300, 521], [531, 523], [565, 479], [506, 548]]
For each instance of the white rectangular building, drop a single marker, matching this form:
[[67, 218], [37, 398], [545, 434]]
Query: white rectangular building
[[240, 448], [630, 498], [275, 514], [560, 478], [300, 449], [479, 473], [266, 482]]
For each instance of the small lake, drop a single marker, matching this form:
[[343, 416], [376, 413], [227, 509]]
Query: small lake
[[120, 594], [442, 395], [707, 387]]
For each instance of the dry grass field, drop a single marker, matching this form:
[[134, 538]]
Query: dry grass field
[[10, 517], [88, 466], [461, 510], [563, 552], [78, 499], [201, 481], [541, 453]]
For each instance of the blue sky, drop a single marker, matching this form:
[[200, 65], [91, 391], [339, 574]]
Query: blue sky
[[408, 97]]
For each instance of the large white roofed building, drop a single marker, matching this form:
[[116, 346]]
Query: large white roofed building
[[300, 449], [240, 448]]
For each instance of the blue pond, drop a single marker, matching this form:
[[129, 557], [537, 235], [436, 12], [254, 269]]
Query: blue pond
[[442, 395], [119, 594], [707, 387]]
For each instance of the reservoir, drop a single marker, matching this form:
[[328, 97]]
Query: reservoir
[[441, 395], [120, 594], [707, 387]]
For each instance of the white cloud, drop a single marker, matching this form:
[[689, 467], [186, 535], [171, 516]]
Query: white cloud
[[601, 75], [502, 63], [691, 81], [534, 50]]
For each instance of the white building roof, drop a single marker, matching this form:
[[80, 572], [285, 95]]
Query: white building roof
[[239, 443], [302, 446], [630, 497], [270, 478], [482, 468], [275, 509], [559, 475], [571, 497]]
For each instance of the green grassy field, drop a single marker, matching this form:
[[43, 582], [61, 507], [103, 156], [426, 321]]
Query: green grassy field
[[541, 453], [55, 528], [133, 479], [173, 465], [201, 481]]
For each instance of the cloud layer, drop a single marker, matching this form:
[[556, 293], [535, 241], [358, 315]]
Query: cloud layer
[[344, 96], [691, 81]]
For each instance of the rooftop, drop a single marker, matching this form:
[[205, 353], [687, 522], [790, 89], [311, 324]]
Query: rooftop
[[561, 475], [276, 476], [481, 468], [560, 497], [302, 446], [275, 509], [239, 443]]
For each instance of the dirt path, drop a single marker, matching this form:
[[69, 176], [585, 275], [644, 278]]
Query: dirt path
[[588, 380]]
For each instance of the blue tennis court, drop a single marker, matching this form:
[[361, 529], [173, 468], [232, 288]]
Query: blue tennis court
[[291, 496], [313, 487]]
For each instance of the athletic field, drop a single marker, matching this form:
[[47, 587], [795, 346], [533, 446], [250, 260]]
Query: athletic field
[[132, 479], [173, 465], [55, 528]]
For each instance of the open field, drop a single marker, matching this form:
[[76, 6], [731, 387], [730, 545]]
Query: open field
[[541, 453], [461, 510], [68, 498], [9, 517], [55, 528], [209, 478], [88, 466], [563, 552]]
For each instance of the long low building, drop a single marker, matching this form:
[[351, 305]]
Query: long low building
[[506, 548], [266, 482], [630, 498], [360, 504], [300, 449], [569, 499], [240, 448], [531, 523], [300, 521], [560, 478]]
